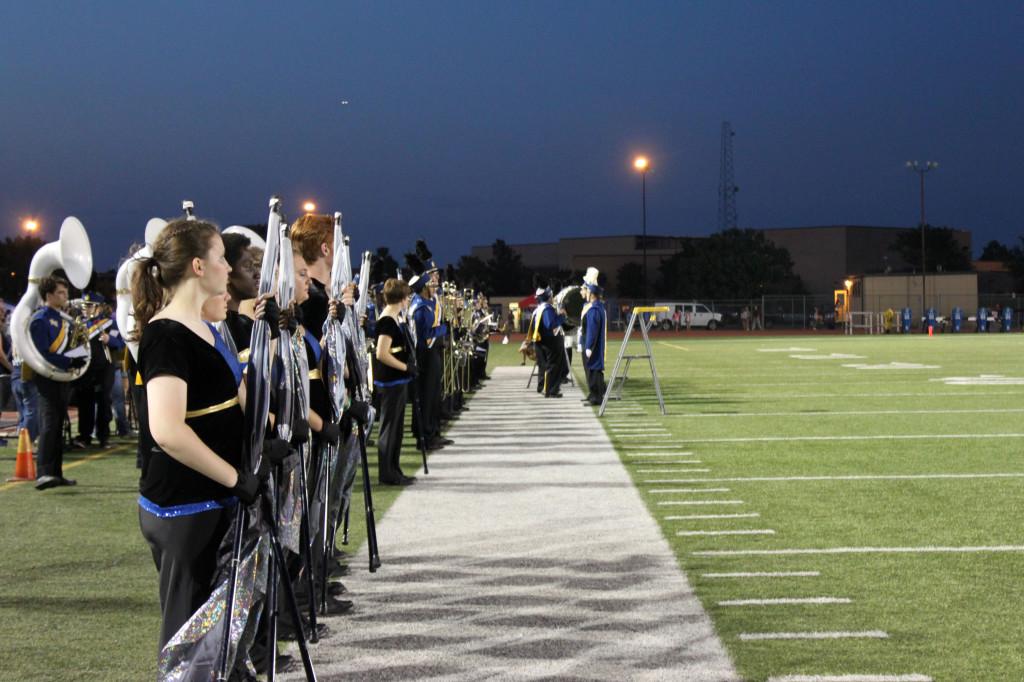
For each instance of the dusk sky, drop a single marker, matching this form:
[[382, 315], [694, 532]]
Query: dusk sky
[[471, 121]]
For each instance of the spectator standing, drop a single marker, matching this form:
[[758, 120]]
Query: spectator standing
[[745, 318]]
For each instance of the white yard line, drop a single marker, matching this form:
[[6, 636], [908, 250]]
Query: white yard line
[[912, 677], [682, 453], [764, 574], [849, 413], [680, 491], [922, 436], [695, 517], [968, 549], [880, 477], [864, 634], [785, 601], [671, 471], [751, 531], [685, 503]]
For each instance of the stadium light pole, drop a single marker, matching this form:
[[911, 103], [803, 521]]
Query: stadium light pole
[[642, 164], [30, 225], [921, 169]]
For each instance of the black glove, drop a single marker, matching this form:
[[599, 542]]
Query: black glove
[[412, 370], [290, 322], [300, 431], [276, 449], [341, 310], [330, 433], [77, 363], [360, 411], [272, 315], [249, 485]]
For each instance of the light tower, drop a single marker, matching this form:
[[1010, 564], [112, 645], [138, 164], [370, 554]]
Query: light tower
[[921, 169], [727, 218]]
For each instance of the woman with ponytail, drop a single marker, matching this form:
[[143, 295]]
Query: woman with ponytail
[[192, 474]]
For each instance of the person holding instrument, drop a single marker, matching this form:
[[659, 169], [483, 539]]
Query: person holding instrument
[[391, 376], [193, 474]]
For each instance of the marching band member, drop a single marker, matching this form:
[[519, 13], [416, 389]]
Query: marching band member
[[51, 334], [594, 338], [92, 389], [427, 333], [547, 333]]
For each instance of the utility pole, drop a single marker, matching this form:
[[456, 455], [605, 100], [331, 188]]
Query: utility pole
[[922, 168]]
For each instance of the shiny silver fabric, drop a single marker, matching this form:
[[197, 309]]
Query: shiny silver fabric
[[194, 652]]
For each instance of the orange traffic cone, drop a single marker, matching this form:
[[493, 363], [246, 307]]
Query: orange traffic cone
[[25, 464], [931, 330]]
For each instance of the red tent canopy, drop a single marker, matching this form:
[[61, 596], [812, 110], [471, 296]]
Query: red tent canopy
[[528, 302]]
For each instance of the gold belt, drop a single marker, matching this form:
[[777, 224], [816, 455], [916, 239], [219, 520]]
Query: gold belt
[[202, 412], [314, 374]]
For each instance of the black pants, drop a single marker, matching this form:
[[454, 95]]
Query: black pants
[[595, 381], [53, 405], [427, 424], [185, 552], [392, 423], [555, 370], [542, 364], [94, 412]]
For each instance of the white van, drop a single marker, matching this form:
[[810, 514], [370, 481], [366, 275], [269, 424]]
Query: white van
[[701, 315]]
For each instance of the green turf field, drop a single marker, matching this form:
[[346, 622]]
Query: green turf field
[[776, 408], [78, 595]]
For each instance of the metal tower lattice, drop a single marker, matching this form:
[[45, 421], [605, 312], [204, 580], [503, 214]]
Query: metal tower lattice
[[727, 217]]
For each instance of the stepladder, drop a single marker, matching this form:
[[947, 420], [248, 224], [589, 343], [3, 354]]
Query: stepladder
[[644, 318]]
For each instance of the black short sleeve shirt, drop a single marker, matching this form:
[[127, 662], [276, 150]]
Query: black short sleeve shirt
[[169, 348]]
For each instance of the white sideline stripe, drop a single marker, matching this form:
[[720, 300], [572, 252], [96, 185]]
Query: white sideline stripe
[[893, 477], [846, 413], [694, 517], [673, 491], [852, 678], [783, 601], [681, 503], [940, 436], [864, 634], [767, 574], [969, 549], [696, 533]]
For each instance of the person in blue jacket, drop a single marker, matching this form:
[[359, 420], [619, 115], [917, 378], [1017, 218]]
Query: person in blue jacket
[[428, 332], [549, 337], [93, 387], [595, 337], [51, 335]]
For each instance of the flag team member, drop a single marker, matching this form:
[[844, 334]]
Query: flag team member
[[594, 329], [391, 377], [191, 477], [51, 334]]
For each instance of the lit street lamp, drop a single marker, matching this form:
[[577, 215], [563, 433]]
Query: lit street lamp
[[921, 169], [642, 164]]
